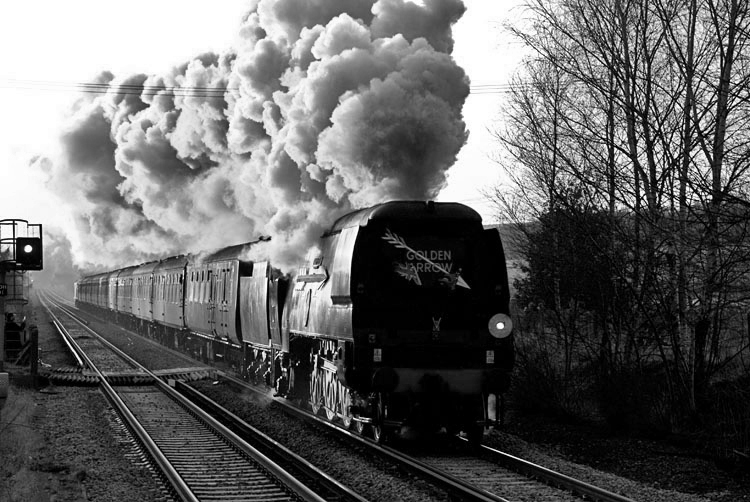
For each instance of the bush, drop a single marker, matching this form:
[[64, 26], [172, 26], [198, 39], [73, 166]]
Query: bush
[[726, 417], [627, 399], [636, 399], [539, 383]]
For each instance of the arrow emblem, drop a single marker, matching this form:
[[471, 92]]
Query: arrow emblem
[[408, 272], [399, 243]]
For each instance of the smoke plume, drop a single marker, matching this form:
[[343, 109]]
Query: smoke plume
[[59, 272], [323, 106]]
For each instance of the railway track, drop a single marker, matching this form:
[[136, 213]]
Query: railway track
[[199, 458], [467, 474], [510, 477]]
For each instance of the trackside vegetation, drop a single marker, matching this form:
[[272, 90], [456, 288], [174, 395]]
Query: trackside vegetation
[[626, 145]]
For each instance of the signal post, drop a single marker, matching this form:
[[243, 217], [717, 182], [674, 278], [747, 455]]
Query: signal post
[[21, 250]]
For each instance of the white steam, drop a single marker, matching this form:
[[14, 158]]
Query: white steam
[[323, 107]]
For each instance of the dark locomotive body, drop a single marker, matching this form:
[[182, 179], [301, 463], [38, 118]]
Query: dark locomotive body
[[399, 317]]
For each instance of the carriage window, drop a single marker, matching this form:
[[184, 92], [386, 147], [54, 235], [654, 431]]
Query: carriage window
[[224, 284], [210, 287], [308, 300], [202, 293]]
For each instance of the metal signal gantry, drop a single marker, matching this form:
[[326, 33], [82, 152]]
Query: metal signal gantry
[[21, 246], [21, 249]]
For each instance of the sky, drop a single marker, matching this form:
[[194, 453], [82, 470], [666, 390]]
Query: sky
[[55, 44], [490, 57]]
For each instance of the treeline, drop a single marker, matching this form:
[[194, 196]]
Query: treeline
[[627, 143]]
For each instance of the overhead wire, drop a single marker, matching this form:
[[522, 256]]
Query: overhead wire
[[123, 88], [181, 91], [490, 88]]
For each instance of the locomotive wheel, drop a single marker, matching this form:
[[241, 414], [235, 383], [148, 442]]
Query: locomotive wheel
[[330, 414], [379, 432], [331, 395], [346, 421], [359, 426], [316, 397], [345, 401], [315, 407]]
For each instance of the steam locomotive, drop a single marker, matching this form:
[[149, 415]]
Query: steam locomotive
[[399, 318]]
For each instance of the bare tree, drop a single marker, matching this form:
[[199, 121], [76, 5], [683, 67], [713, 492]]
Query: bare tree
[[643, 108]]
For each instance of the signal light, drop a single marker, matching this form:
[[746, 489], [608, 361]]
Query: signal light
[[29, 254]]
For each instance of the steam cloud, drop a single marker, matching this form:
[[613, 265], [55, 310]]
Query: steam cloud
[[323, 107], [59, 272]]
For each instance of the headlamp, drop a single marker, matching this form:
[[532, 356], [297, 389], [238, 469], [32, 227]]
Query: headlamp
[[500, 325]]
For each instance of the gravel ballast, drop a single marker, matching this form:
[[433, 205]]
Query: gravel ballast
[[61, 444]]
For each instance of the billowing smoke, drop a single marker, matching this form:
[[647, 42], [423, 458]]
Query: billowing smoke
[[59, 272], [323, 107]]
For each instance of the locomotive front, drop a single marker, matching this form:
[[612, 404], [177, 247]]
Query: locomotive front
[[431, 326]]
